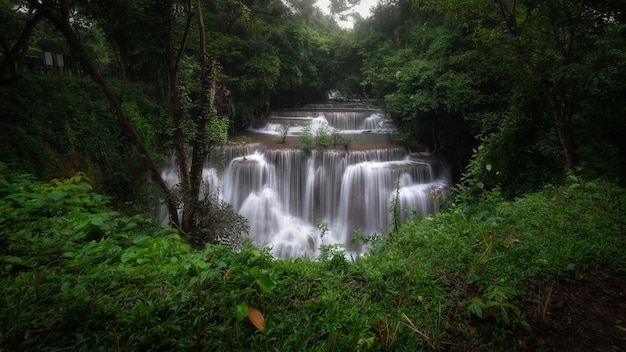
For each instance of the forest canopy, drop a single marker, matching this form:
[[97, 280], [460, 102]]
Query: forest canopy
[[528, 90]]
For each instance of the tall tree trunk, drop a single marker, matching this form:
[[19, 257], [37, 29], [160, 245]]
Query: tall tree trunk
[[562, 117], [201, 145], [180, 146], [62, 24], [197, 161], [175, 96]]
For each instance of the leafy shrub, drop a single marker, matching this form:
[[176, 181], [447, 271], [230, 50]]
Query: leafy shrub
[[307, 139], [324, 138], [92, 278]]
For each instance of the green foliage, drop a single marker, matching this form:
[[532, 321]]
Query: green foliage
[[394, 208], [495, 303], [450, 73], [324, 138], [307, 139], [537, 161], [35, 227], [322, 226], [405, 139], [94, 279], [478, 172], [218, 133], [498, 247], [67, 126], [421, 79]]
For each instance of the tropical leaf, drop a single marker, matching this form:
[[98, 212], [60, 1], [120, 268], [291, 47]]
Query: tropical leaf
[[265, 283], [16, 260], [241, 310]]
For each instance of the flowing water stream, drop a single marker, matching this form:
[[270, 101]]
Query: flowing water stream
[[284, 191]]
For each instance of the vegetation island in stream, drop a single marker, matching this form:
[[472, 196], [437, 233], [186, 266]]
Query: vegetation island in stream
[[251, 176]]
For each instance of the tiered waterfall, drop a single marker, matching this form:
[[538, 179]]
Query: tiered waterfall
[[284, 192]]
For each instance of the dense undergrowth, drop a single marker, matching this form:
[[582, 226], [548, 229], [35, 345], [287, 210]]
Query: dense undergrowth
[[76, 275], [52, 126]]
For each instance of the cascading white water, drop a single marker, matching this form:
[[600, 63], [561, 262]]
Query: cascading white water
[[283, 192], [347, 120]]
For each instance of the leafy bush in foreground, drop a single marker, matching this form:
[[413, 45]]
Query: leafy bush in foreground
[[77, 275]]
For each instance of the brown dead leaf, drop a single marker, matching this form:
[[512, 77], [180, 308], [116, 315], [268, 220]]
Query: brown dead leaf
[[256, 318]]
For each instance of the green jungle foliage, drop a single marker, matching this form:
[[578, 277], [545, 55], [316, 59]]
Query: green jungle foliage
[[77, 275], [56, 125], [535, 82], [321, 138]]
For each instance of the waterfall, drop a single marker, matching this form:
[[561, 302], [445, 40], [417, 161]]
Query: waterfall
[[283, 192], [346, 120]]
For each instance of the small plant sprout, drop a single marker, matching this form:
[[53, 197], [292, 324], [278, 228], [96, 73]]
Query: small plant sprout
[[322, 226]]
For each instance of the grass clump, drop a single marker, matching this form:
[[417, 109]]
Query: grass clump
[[78, 275]]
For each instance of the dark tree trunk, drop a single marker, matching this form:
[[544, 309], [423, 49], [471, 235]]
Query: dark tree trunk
[[562, 119], [173, 60], [180, 146], [200, 145]]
